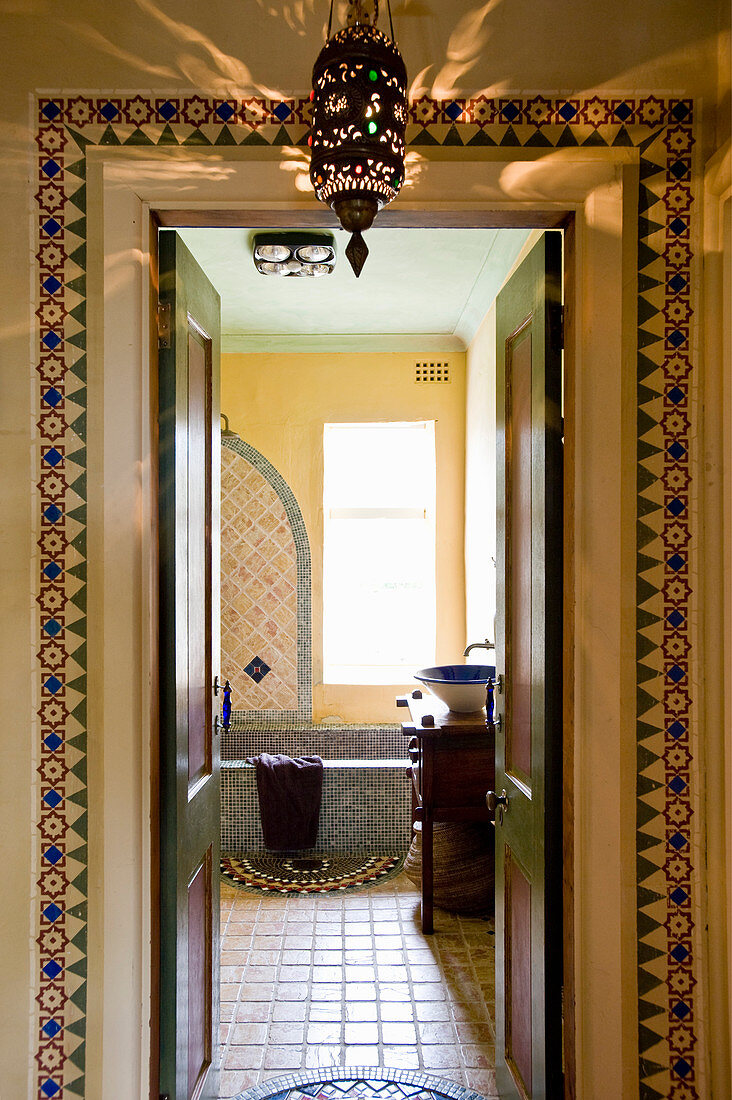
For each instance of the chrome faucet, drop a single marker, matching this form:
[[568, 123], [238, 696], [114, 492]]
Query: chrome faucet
[[479, 645]]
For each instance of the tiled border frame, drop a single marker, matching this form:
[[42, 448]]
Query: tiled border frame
[[304, 712], [661, 130]]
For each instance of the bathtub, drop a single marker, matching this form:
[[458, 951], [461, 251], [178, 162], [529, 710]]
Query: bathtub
[[366, 804]]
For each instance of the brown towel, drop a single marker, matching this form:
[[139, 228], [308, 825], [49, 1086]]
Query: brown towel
[[289, 793]]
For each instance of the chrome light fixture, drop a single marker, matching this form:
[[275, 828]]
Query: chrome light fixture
[[359, 120], [300, 254]]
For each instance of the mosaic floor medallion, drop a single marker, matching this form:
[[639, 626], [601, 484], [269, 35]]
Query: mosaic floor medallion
[[367, 1083], [281, 874]]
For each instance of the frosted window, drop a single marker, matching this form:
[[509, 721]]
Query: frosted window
[[379, 551]]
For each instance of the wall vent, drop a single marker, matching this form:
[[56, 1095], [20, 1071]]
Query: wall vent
[[432, 372]]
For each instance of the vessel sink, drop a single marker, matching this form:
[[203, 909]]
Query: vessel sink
[[461, 687]]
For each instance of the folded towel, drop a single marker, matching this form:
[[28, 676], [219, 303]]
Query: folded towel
[[289, 793]]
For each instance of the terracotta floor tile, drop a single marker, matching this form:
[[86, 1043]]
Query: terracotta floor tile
[[360, 973], [327, 973], [394, 991], [475, 1011], [329, 1032], [232, 1082], [424, 991], [389, 943], [282, 1057], [482, 1056], [482, 1081], [362, 1056], [361, 991], [289, 1011], [363, 1012], [236, 943], [248, 1034], [297, 942], [440, 1056], [253, 1012], [292, 991], [286, 1034], [361, 1033], [359, 957], [231, 973], [397, 1034], [263, 958], [256, 991], [390, 972], [428, 1011], [243, 1057], [382, 975], [400, 1058], [435, 1033], [326, 1011], [397, 1011], [295, 958], [322, 1056]]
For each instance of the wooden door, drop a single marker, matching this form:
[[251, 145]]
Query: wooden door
[[528, 832], [189, 492]]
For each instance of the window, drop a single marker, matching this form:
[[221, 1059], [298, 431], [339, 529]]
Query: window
[[379, 551]]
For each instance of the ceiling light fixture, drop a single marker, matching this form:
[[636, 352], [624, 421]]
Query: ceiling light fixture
[[300, 254], [359, 119]]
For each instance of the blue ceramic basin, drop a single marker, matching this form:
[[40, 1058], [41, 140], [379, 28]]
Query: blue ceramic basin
[[461, 687]]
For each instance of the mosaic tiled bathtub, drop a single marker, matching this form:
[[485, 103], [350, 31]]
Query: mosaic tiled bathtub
[[366, 798]]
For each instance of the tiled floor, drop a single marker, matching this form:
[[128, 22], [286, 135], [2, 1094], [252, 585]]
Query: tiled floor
[[320, 981]]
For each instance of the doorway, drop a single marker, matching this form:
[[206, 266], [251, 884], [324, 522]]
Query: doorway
[[421, 1038]]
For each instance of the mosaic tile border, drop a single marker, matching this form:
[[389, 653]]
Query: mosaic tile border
[[275, 480], [661, 131], [413, 1085]]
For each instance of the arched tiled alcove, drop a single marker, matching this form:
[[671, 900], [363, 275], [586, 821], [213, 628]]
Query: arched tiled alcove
[[265, 590]]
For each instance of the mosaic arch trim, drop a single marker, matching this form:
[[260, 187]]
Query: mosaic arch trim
[[274, 479], [661, 131]]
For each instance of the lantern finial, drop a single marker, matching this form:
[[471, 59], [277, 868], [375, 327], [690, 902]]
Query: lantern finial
[[359, 120]]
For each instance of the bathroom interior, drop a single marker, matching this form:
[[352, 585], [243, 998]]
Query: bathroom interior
[[357, 547]]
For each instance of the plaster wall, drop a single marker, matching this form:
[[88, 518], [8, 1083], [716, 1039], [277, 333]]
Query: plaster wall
[[461, 46], [279, 404]]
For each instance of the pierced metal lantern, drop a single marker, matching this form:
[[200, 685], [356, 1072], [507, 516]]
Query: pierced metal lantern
[[359, 119]]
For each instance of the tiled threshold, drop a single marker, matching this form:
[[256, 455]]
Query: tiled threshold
[[349, 982]]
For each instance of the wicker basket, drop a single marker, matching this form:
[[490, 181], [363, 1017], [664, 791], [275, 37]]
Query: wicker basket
[[462, 857]]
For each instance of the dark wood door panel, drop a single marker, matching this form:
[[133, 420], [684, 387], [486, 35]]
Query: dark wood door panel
[[189, 491], [529, 658]]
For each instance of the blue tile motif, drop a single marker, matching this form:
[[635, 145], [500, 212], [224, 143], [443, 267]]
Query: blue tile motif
[[257, 669]]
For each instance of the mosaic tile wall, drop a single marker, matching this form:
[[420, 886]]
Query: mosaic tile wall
[[331, 742], [660, 133], [265, 589], [366, 807]]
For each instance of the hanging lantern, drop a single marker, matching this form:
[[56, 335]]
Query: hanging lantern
[[359, 118]]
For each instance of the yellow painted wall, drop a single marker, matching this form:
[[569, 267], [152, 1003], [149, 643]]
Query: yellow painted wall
[[279, 403]]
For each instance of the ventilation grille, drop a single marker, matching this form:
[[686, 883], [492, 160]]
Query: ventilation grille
[[432, 372]]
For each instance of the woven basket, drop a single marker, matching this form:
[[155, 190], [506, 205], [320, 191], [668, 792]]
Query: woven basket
[[462, 857]]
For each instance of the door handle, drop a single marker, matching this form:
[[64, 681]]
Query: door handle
[[497, 804]]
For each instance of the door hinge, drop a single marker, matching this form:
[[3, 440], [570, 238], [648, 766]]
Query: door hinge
[[164, 324]]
